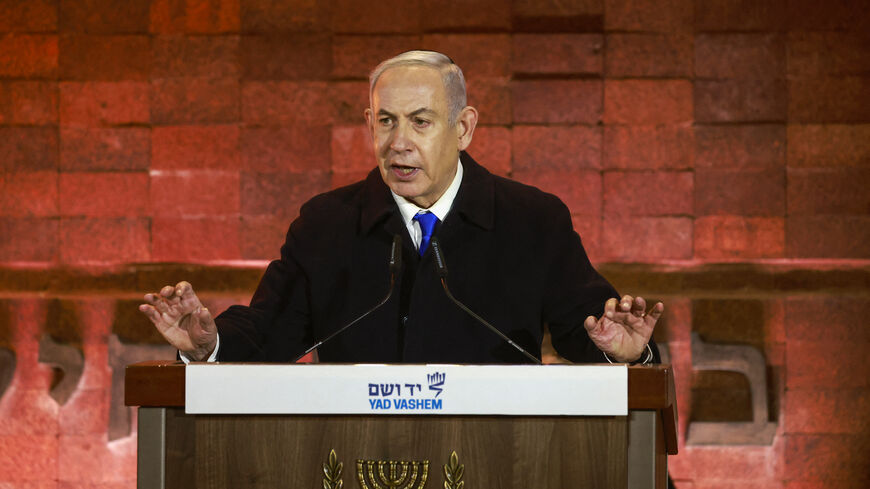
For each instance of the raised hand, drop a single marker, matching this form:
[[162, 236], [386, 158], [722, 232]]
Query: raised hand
[[624, 329], [180, 317]]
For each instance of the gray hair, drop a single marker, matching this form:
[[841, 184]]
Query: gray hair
[[451, 75]]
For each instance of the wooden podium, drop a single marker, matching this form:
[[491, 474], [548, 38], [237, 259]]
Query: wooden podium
[[188, 451]]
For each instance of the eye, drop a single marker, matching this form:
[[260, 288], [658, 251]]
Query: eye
[[420, 122], [385, 121]]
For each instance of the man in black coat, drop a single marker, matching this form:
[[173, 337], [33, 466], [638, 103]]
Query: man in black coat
[[513, 257]]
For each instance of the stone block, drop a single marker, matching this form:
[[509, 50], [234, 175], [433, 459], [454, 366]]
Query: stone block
[[749, 146], [649, 147], [817, 191], [286, 57], [104, 16], [192, 193], [827, 54], [117, 148], [28, 148], [195, 16], [740, 192], [579, 189], [830, 145], [740, 15], [479, 55], [828, 237], [31, 56], [738, 237], [196, 56], [354, 57], [282, 16], [827, 458], [28, 102], [177, 101], [82, 458], [285, 103], [385, 17], [643, 16], [343, 179], [122, 57], [647, 101], [28, 194], [195, 239], [760, 100], [104, 194], [492, 98], [557, 101], [262, 237], [842, 99], [822, 364], [95, 104], [25, 459], [28, 239], [647, 239], [556, 148], [195, 147], [104, 240], [348, 100], [491, 148], [280, 194], [481, 15], [563, 8], [726, 465], [86, 413], [351, 149], [560, 54], [826, 411], [826, 319], [648, 193], [740, 56], [845, 15], [649, 55], [298, 148], [32, 16]]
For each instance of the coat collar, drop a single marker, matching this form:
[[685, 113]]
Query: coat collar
[[475, 201]]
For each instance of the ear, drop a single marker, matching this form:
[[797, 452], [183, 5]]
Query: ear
[[369, 116], [465, 124]]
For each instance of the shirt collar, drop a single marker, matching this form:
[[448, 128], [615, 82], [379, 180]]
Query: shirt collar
[[440, 208]]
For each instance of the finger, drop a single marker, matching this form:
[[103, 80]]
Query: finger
[[610, 307], [167, 291], [638, 307], [656, 312], [183, 289], [590, 323], [150, 312], [625, 303]]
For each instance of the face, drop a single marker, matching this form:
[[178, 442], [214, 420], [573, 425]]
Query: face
[[415, 146]]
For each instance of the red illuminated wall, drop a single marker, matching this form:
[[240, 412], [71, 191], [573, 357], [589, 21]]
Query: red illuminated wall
[[144, 142]]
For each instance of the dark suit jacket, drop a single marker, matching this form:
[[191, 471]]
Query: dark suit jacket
[[512, 255]]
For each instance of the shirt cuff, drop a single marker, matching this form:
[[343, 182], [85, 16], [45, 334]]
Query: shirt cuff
[[211, 358]]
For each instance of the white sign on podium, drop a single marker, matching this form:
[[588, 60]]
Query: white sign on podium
[[542, 390]]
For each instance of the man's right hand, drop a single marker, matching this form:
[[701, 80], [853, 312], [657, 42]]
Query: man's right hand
[[182, 320]]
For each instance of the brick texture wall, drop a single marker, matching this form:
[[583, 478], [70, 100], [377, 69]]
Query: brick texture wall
[[146, 141]]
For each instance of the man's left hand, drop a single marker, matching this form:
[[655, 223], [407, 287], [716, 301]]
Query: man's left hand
[[624, 329]]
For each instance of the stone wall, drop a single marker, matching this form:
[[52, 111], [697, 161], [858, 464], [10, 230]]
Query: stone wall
[[147, 141]]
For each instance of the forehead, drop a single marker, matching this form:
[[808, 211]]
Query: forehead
[[406, 86]]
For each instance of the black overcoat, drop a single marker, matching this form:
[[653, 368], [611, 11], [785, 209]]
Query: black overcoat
[[512, 255]]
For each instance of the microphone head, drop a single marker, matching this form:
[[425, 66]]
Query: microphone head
[[396, 254], [440, 264]]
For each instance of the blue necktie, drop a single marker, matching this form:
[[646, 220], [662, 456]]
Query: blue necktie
[[427, 222]]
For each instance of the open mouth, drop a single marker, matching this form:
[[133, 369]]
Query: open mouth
[[403, 171]]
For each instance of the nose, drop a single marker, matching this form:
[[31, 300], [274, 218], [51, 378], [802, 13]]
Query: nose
[[401, 140]]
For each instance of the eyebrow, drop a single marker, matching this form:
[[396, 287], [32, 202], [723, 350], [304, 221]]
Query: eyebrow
[[421, 110]]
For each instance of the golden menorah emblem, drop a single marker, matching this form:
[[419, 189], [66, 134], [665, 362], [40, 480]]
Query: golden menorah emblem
[[392, 474]]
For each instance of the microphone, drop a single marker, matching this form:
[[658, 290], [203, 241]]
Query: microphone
[[441, 268], [395, 268]]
